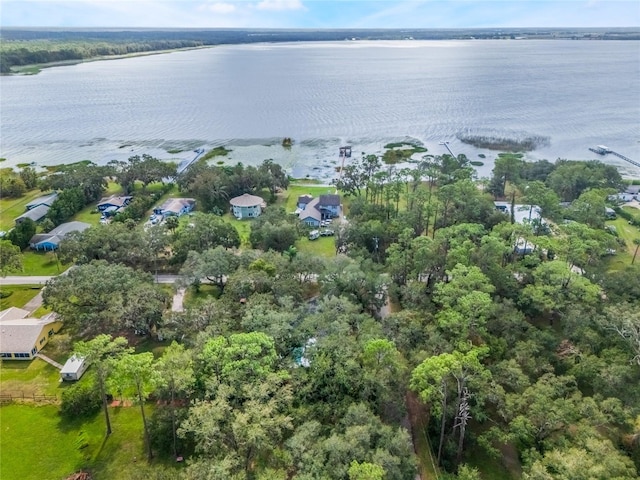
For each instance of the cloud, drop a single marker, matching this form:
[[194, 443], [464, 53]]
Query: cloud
[[218, 7], [280, 5]]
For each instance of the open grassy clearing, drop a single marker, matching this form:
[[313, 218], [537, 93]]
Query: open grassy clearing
[[193, 297], [35, 377], [57, 447], [635, 212], [626, 232], [41, 263], [19, 295], [323, 246], [242, 226]]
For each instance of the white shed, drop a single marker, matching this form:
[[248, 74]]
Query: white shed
[[73, 369]]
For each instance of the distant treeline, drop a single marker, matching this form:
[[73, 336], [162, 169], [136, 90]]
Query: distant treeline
[[20, 47]]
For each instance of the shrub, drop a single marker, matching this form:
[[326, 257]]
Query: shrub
[[80, 399]]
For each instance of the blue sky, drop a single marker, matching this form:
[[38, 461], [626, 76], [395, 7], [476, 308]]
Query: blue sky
[[320, 13]]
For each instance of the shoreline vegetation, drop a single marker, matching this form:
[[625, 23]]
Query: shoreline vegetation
[[25, 51], [35, 68], [505, 144]]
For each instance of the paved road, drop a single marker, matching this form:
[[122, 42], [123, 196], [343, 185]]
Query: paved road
[[41, 280]]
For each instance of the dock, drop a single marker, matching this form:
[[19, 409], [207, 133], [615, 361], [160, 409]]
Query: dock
[[345, 152], [603, 150]]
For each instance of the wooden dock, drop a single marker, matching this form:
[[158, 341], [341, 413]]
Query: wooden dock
[[600, 150]]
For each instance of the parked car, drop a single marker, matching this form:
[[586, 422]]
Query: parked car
[[314, 235], [327, 233]]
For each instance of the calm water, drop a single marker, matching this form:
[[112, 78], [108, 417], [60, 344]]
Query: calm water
[[575, 93]]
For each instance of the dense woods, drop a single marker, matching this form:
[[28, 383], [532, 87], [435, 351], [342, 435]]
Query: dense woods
[[509, 335]]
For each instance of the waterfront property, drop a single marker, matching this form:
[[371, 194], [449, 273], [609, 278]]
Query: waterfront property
[[50, 241], [247, 206], [312, 211], [175, 207], [21, 336], [630, 193], [114, 203]]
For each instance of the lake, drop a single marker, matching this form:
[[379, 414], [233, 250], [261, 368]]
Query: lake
[[571, 94]]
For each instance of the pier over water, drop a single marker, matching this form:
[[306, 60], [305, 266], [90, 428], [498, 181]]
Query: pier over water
[[603, 150]]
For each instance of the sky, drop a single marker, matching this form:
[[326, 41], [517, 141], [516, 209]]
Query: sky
[[319, 13]]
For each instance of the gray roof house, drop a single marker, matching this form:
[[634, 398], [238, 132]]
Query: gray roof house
[[247, 206], [43, 200], [317, 209], [22, 338], [175, 207], [36, 214], [117, 201], [51, 240]]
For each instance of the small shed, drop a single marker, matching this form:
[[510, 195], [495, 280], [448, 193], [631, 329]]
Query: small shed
[[73, 369]]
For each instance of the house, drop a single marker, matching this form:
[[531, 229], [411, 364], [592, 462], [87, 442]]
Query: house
[[117, 201], [22, 338], [175, 207], [522, 213], [51, 240], [317, 209], [631, 192], [73, 368], [303, 201], [43, 200], [36, 214], [247, 206]]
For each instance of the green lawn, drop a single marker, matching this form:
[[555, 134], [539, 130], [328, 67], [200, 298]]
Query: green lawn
[[192, 297], [323, 246], [10, 208], [243, 227], [635, 212], [41, 263], [19, 295], [626, 232], [37, 443], [29, 377]]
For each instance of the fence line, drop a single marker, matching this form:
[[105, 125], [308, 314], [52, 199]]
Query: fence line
[[7, 397]]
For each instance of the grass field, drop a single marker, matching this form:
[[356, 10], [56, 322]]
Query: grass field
[[41, 263], [37, 443], [20, 295], [323, 246], [243, 227], [10, 208], [35, 377]]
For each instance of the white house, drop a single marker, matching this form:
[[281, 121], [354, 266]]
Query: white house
[[521, 213], [73, 368], [175, 207]]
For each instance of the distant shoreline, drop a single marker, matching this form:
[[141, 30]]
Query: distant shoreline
[[34, 69]]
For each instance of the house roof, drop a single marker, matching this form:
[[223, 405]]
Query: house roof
[[329, 200], [43, 200], [310, 213], [246, 200], [72, 365], [20, 335], [115, 200], [633, 189], [174, 205], [57, 234], [304, 199], [521, 212], [13, 313], [35, 214]]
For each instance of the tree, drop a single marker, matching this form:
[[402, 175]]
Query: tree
[[101, 353], [29, 176], [204, 231], [430, 378], [10, 258], [137, 372], [175, 368], [22, 233], [88, 177], [146, 170], [99, 297], [636, 242], [67, 204], [214, 265], [365, 471]]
